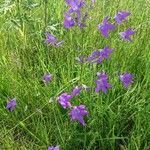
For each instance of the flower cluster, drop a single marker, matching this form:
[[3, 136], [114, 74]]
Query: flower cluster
[[74, 16], [77, 112], [105, 27], [99, 55]]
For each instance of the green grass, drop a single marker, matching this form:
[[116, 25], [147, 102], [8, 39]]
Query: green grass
[[117, 121]]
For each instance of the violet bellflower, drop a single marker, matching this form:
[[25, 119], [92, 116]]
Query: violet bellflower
[[51, 39], [99, 55], [102, 83], [126, 79], [126, 34], [74, 16], [64, 100], [47, 78], [11, 105], [105, 52], [121, 16], [69, 22], [75, 4], [53, 148], [76, 91], [106, 27], [102, 75], [78, 113]]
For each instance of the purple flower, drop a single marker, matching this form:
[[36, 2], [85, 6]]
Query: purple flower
[[105, 52], [53, 148], [11, 105], [94, 56], [105, 27], [75, 4], [99, 55], [126, 79], [76, 91], [51, 39], [47, 78], [121, 16], [102, 83], [126, 34], [102, 75], [69, 21], [64, 99], [78, 113]]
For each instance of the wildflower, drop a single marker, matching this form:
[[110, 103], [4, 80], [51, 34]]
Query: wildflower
[[75, 10], [64, 99], [76, 91], [102, 83], [53, 148], [99, 55], [94, 56], [102, 75], [47, 78], [11, 105], [105, 27], [69, 21], [126, 34], [105, 52], [51, 39], [78, 113], [121, 16], [126, 79], [75, 4]]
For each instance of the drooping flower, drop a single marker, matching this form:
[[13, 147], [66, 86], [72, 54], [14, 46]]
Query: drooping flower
[[99, 55], [94, 56], [51, 39], [105, 52], [126, 79], [102, 83], [75, 4], [11, 105], [121, 16], [53, 148], [102, 75], [74, 16], [126, 34], [69, 22], [106, 27], [47, 78], [76, 91], [64, 100], [78, 113]]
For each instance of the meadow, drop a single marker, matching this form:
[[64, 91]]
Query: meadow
[[116, 120]]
